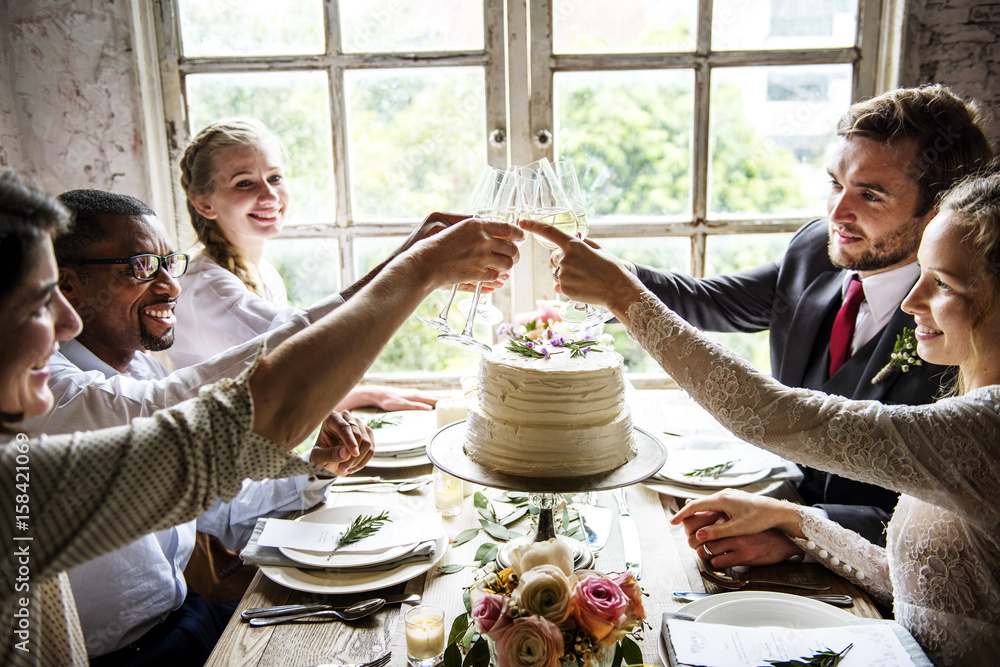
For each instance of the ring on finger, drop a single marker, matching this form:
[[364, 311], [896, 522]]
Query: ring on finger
[[705, 547]]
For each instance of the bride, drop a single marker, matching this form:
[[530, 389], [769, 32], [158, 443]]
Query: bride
[[941, 567]]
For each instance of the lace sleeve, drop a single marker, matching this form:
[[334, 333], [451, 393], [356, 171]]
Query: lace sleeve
[[846, 553], [943, 453]]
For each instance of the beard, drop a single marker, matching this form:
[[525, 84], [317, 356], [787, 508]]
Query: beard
[[155, 343], [881, 253]]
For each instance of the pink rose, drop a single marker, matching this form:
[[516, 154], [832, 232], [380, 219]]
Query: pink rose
[[630, 587], [488, 612], [529, 642], [600, 608]]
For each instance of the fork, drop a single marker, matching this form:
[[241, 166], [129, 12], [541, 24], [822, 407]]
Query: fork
[[377, 662]]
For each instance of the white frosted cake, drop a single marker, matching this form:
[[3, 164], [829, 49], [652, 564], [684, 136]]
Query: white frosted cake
[[555, 417]]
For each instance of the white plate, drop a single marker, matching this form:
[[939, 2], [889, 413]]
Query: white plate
[[344, 515], [691, 452], [831, 616], [699, 607], [764, 487], [414, 427], [761, 613], [318, 581], [392, 463]]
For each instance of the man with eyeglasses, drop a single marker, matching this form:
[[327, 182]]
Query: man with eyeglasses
[[118, 269]]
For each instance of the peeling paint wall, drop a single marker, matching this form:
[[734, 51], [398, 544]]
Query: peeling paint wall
[[957, 43], [74, 90]]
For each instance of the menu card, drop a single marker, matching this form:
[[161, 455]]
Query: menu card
[[713, 645]]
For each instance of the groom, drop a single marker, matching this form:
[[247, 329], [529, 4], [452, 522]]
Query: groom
[[894, 155]]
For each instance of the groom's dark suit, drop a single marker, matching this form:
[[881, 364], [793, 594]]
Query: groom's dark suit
[[797, 300]]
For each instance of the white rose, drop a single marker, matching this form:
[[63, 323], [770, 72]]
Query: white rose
[[546, 591], [549, 552]]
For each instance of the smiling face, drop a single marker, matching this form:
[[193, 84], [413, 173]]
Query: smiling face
[[872, 206], [250, 198], [122, 315], [948, 303], [31, 322]]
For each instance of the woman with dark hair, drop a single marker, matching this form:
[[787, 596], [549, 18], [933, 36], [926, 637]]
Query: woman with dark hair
[[941, 566], [169, 468]]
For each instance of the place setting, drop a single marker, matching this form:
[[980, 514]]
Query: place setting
[[699, 466], [349, 549], [401, 437]]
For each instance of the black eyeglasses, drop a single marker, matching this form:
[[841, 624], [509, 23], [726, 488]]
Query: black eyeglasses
[[146, 266]]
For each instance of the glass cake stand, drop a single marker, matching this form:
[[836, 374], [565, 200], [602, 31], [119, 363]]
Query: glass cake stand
[[446, 451]]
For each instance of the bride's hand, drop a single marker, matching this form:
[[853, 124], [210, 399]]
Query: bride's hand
[[586, 272], [748, 514]]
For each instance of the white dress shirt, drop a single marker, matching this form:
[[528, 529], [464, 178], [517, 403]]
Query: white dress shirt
[[884, 292], [216, 311], [121, 595]]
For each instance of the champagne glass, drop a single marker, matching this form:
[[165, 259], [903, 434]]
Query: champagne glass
[[488, 181], [482, 202], [584, 315], [548, 202]]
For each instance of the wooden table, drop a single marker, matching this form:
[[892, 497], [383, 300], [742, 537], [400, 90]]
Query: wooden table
[[668, 565]]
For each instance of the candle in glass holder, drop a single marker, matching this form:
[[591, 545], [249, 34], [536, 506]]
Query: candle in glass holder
[[451, 410], [424, 635], [448, 496]]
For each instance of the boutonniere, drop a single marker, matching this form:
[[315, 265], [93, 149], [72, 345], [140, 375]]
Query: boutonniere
[[904, 355]]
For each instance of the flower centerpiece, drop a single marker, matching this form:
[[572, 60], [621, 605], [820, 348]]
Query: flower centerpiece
[[540, 613], [542, 332]]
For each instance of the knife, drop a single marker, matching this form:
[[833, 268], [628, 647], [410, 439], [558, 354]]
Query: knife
[[597, 522], [835, 600], [630, 536]]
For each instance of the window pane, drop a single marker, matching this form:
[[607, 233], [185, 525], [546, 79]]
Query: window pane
[[415, 139], [415, 347], [629, 135], [293, 104], [395, 25], [783, 24], [633, 26], [735, 252], [256, 28], [309, 267], [671, 253], [770, 129]]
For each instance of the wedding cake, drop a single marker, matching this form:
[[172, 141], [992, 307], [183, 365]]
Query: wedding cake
[[558, 417]]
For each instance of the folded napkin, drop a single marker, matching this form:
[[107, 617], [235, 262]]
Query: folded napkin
[[854, 657], [255, 554]]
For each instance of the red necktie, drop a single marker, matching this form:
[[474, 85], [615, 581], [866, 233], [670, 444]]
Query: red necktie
[[843, 326]]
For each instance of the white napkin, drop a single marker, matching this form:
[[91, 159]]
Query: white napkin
[[325, 537]]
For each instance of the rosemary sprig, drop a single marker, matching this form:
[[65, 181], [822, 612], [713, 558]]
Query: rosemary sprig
[[580, 348], [362, 527], [383, 420], [711, 471], [527, 348], [827, 658]]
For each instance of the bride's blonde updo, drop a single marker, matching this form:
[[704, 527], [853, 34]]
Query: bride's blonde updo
[[198, 178]]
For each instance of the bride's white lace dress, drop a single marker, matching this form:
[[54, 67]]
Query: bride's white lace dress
[[941, 566]]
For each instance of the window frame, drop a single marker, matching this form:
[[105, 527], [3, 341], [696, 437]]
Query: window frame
[[517, 50]]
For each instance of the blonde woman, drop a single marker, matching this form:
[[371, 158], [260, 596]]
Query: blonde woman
[[238, 197], [941, 566]]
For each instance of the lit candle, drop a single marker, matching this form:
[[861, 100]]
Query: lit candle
[[424, 635], [448, 496], [451, 410]]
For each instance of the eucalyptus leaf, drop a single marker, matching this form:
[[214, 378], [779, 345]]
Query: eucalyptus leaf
[[486, 553], [452, 657], [479, 500], [496, 531], [514, 516], [458, 628], [465, 536], [479, 655], [630, 651], [451, 568]]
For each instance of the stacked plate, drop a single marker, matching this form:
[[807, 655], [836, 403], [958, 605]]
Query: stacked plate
[[401, 439], [698, 466], [357, 571]]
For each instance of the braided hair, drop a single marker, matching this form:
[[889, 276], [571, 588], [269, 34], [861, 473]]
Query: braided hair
[[198, 178]]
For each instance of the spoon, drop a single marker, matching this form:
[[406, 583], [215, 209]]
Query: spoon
[[724, 580], [352, 613]]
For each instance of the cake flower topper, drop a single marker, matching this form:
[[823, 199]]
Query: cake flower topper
[[540, 612], [904, 355], [543, 332]]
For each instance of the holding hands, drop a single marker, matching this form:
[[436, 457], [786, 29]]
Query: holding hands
[[737, 528], [344, 445]]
